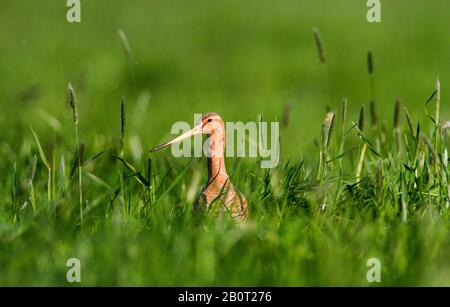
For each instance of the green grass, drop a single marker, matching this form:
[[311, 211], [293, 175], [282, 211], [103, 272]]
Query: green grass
[[341, 194]]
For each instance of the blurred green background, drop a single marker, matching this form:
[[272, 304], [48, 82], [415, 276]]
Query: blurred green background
[[237, 58]]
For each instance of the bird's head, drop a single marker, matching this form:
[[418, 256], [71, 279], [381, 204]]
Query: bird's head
[[210, 123]]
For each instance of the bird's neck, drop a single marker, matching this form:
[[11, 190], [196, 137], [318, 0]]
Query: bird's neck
[[217, 173]]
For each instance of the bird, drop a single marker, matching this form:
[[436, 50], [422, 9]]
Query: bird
[[218, 194]]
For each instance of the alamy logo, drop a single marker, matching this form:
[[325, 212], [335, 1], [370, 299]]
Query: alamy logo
[[259, 141], [74, 12], [374, 273], [74, 273], [374, 12]]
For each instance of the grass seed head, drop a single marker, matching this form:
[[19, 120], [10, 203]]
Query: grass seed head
[[286, 114], [361, 118], [438, 100], [319, 45], [73, 102], [329, 123], [125, 44], [397, 114], [369, 62]]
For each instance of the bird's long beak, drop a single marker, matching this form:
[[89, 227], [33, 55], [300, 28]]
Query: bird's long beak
[[196, 130]]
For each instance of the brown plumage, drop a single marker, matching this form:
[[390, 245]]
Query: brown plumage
[[219, 195]]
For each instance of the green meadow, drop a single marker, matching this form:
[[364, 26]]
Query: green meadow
[[363, 170]]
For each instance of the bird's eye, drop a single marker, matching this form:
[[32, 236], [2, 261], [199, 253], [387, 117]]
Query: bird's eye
[[209, 120]]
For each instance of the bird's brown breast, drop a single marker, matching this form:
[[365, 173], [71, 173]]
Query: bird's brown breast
[[225, 199]]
